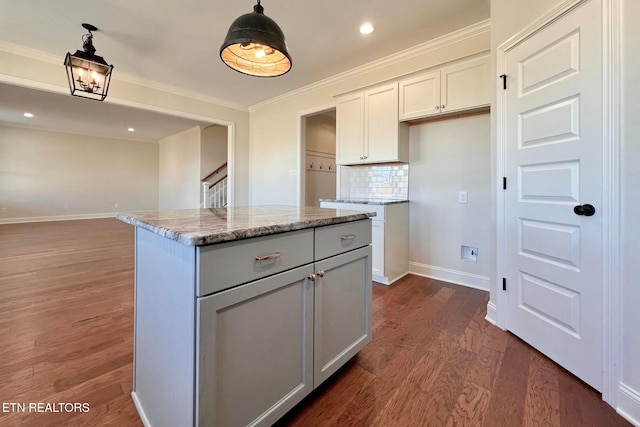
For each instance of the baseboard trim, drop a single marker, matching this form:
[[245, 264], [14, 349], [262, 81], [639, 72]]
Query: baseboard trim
[[56, 218], [385, 279], [492, 313], [629, 404], [143, 416], [452, 276]]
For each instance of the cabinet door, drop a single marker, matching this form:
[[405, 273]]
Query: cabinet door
[[377, 247], [349, 129], [420, 96], [381, 124], [342, 300], [466, 85], [255, 347]]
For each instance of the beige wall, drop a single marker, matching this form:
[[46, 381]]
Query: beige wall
[[321, 133], [213, 149], [48, 73], [448, 156], [50, 174], [179, 182], [320, 140], [508, 17]]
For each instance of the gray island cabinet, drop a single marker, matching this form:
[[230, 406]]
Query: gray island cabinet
[[241, 312]]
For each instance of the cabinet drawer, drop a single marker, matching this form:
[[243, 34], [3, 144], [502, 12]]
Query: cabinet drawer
[[336, 239], [226, 265]]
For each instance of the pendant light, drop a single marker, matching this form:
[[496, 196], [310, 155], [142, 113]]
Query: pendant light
[[89, 75], [255, 45]]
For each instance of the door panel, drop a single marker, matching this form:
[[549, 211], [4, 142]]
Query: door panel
[[553, 153], [555, 61], [350, 128], [342, 310], [255, 346]]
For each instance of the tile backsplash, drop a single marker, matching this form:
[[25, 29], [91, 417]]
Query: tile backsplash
[[384, 181]]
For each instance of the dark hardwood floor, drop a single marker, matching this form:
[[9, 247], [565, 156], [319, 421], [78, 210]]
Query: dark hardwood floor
[[66, 330]]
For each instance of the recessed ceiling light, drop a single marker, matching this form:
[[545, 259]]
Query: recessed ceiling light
[[131, 129], [366, 28], [27, 114]]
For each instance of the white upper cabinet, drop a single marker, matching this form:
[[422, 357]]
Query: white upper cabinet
[[350, 128], [461, 86], [420, 96], [368, 129]]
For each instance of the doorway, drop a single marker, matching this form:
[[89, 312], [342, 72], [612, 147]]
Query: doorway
[[318, 172]]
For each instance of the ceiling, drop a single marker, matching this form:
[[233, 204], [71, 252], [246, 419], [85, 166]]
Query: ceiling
[[63, 113], [177, 43]]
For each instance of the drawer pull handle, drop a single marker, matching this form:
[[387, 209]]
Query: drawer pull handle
[[268, 257], [321, 273], [312, 277], [348, 237]]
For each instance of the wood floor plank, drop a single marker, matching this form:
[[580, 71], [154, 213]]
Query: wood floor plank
[[542, 404], [332, 398], [471, 407]]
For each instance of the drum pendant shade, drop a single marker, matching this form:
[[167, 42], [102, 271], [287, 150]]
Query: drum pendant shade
[[255, 45]]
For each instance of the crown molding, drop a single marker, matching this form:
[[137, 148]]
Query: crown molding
[[473, 30], [50, 58]]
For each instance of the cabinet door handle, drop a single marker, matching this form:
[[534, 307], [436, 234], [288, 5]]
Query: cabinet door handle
[[442, 106], [437, 107], [268, 257], [321, 273], [348, 237], [312, 277]]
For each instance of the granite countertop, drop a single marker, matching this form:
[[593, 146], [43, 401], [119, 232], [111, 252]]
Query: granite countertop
[[200, 227], [362, 201]]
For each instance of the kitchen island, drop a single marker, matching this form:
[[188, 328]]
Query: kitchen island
[[241, 312]]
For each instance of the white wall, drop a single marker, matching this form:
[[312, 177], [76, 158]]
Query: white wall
[[630, 247], [274, 124], [50, 175], [448, 156], [179, 182]]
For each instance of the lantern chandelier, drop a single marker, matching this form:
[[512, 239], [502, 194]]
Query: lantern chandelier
[[89, 74], [255, 45]]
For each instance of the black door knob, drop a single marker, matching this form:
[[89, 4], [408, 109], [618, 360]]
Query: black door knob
[[586, 210]]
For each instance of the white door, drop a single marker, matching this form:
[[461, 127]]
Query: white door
[[553, 161]]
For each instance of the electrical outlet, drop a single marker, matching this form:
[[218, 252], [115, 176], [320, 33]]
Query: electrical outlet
[[468, 253], [462, 197], [387, 179]]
